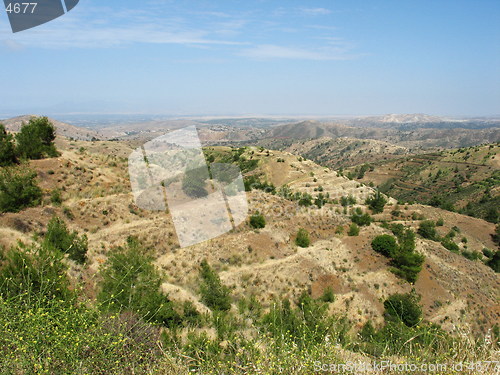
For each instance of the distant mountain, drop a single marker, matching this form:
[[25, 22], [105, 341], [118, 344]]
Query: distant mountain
[[66, 130]]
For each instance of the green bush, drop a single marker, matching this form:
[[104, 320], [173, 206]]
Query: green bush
[[18, 189], [36, 139], [55, 197], [213, 293], [376, 202], [7, 149], [385, 245], [302, 239], [194, 183], [328, 295], [427, 229], [360, 218], [60, 238], [404, 307], [131, 282], [494, 262], [450, 245], [440, 222], [257, 221], [353, 230]]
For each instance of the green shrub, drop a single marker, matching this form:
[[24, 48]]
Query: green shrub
[[440, 222], [194, 183], [302, 239], [18, 189], [328, 295], [36, 139], [494, 263], [353, 230], [360, 218], [55, 197], [59, 238], [7, 149], [404, 307], [376, 202], [213, 293], [386, 245], [257, 221], [427, 229], [131, 282]]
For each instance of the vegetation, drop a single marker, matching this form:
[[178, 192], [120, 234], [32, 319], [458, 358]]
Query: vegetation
[[360, 218], [376, 203], [213, 293], [7, 148], [59, 238], [36, 139], [405, 308], [257, 221], [385, 245], [353, 230], [18, 189], [427, 229], [194, 182], [302, 239]]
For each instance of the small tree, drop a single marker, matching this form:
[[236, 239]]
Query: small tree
[[360, 218], [36, 139], [404, 307], [302, 238], [376, 203], [427, 229], [18, 189], [386, 245], [213, 293], [193, 183], [60, 238], [7, 150], [257, 221], [494, 262], [353, 230]]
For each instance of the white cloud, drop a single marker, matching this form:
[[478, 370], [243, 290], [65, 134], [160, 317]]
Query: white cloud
[[270, 51], [316, 11]]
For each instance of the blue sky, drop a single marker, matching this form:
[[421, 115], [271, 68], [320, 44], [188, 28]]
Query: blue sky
[[257, 57]]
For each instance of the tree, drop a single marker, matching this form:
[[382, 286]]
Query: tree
[[404, 307], [213, 293], [18, 189], [427, 229], [60, 238], [376, 202], [7, 149], [36, 139], [385, 244], [353, 230], [302, 238], [257, 221], [131, 282], [360, 218], [193, 183], [494, 262]]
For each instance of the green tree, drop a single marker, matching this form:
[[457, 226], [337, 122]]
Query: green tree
[[18, 189], [494, 262], [427, 229], [376, 202], [213, 293], [60, 238], [353, 230], [194, 183], [7, 149], [36, 139], [385, 244], [360, 218], [257, 221], [404, 307], [302, 238], [131, 282]]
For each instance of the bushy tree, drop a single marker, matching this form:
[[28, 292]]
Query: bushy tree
[[353, 230], [360, 218], [213, 293], [427, 229], [18, 189], [376, 202], [7, 149], [385, 244], [494, 262], [36, 139], [302, 238], [60, 238], [257, 221], [404, 307], [131, 282]]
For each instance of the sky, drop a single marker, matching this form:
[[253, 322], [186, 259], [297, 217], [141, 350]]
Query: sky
[[257, 57]]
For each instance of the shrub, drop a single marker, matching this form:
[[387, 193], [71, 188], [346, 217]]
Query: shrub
[[213, 293], [193, 183], [59, 238], [494, 263], [328, 295], [360, 218], [55, 197], [18, 189], [353, 230], [440, 222], [36, 139], [450, 245], [7, 149], [385, 244], [427, 229], [257, 221], [376, 203], [404, 307], [131, 282], [302, 238]]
